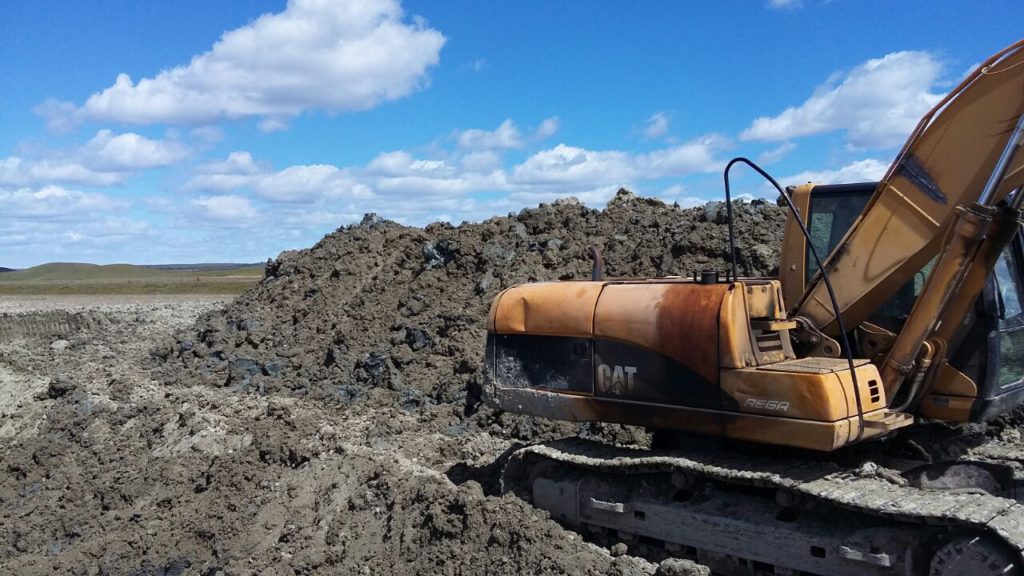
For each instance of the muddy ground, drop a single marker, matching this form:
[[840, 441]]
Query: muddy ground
[[327, 421]]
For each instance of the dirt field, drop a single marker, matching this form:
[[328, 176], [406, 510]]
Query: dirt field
[[327, 421]]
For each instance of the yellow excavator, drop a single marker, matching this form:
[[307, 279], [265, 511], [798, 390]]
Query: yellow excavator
[[896, 303]]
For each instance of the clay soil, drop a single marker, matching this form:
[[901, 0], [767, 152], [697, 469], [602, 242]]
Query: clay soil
[[327, 421]]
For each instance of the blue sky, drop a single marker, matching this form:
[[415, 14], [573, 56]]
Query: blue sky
[[190, 131]]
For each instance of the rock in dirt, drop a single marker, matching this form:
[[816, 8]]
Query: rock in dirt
[[59, 386], [681, 567]]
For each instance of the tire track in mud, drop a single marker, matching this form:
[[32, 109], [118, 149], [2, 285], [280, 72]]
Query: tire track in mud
[[51, 324]]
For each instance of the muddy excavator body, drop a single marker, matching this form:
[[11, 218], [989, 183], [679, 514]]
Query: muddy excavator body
[[808, 359], [896, 303]]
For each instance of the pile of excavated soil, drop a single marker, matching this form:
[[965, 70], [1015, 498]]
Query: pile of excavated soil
[[327, 421], [383, 314]]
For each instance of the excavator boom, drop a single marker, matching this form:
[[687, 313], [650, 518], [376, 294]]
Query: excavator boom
[[946, 163]]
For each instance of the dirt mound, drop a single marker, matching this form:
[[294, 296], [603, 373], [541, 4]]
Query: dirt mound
[[390, 314], [327, 421]]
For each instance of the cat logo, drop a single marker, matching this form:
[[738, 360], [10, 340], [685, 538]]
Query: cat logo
[[616, 380]]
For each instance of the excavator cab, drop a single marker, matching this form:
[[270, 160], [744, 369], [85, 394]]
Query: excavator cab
[[988, 351]]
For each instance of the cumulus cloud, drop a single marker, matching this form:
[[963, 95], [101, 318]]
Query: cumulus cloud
[[876, 103], [129, 151], [546, 129], [775, 154], [565, 164], [505, 137], [17, 171], [53, 203], [228, 207], [107, 159], [414, 187], [867, 170], [63, 235], [657, 126], [337, 56]]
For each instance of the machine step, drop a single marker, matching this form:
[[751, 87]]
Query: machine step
[[887, 420]]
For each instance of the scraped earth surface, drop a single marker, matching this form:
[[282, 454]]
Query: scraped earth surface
[[327, 421]]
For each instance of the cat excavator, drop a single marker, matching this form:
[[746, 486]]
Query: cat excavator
[[793, 401]]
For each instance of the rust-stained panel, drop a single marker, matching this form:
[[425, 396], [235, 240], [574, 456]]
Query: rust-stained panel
[[548, 309], [678, 319]]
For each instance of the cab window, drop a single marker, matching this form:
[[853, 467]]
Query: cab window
[[1011, 336]]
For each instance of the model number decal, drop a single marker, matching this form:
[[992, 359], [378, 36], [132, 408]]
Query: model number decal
[[615, 379], [765, 404]]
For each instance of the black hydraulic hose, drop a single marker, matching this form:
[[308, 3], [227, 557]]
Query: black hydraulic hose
[[821, 269], [728, 213]]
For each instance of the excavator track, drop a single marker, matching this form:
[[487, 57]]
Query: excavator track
[[751, 514]]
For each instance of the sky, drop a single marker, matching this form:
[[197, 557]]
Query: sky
[[154, 132]]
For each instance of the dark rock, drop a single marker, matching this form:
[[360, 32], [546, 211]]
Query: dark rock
[[347, 393], [241, 372], [335, 355], [60, 386], [416, 338], [375, 365], [371, 220], [377, 370], [247, 325], [437, 254], [273, 368], [712, 210], [411, 399]]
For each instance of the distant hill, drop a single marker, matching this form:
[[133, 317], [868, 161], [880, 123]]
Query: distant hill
[[203, 266], [2, 269], [74, 271], [78, 278]]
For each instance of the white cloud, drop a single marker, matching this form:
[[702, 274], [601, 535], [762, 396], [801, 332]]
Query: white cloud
[[78, 236], [877, 103], [504, 137], [207, 136], [307, 184], [868, 170], [569, 164], [775, 154], [106, 160], [785, 4], [129, 151], [565, 164], [229, 207], [411, 187], [547, 129], [336, 56], [16, 171], [657, 126], [53, 203]]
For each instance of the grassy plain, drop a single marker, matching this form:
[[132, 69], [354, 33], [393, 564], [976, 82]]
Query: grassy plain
[[114, 279]]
